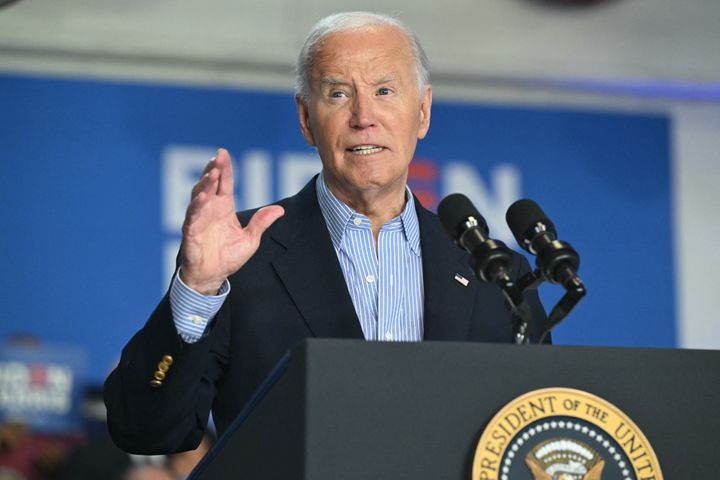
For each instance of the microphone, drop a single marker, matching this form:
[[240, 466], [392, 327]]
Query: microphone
[[490, 259], [535, 232], [556, 261]]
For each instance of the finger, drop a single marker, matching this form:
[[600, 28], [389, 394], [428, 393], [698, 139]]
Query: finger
[[200, 208], [193, 215], [207, 183], [207, 171], [223, 162], [210, 165], [263, 218]]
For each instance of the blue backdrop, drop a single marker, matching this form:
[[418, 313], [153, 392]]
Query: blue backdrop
[[95, 175]]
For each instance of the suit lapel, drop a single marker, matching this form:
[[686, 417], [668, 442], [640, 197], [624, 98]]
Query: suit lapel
[[310, 270], [448, 303], [311, 273]]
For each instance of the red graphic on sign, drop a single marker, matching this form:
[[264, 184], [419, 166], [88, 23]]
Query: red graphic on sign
[[423, 178], [38, 375]]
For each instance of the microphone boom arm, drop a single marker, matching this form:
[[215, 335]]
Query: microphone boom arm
[[574, 292], [490, 261]]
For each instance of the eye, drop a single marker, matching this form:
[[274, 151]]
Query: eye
[[337, 94], [384, 91]]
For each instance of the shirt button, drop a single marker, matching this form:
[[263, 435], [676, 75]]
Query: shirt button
[[357, 221], [196, 320], [370, 279], [388, 336]]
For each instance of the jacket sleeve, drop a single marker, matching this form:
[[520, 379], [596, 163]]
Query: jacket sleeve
[[159, 396]]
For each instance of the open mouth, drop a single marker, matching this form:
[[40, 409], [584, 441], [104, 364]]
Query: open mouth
[[366, 149]]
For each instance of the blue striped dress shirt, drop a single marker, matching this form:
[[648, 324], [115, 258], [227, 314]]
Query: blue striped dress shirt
[[385, 286], [192, 310]]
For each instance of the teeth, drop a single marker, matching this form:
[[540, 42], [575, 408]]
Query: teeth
[[366, 149]]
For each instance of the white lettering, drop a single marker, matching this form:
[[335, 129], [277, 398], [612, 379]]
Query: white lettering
[[50, 393], [181, 168], [296, 169], [256, 179], [493, 201]]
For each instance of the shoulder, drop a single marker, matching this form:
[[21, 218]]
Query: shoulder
[[302, 203]]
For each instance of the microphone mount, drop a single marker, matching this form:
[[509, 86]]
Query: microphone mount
[[556, 261], [490, 260]]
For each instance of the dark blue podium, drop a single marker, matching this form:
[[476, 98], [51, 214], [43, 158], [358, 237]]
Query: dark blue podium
[[347, 410]]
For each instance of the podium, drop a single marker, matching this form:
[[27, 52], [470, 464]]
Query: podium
[[347, 409]]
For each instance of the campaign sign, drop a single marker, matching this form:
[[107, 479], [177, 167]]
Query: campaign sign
[[42, 387], [97, 175]]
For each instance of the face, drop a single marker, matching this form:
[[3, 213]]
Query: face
[[365, 114], [149, 473]]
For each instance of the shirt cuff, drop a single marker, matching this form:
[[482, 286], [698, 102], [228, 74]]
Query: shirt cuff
[[192, 310]]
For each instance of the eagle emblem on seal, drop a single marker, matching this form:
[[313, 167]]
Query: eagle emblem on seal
[[564, 459]]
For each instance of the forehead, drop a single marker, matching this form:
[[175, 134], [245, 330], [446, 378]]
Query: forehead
[[372, 48]]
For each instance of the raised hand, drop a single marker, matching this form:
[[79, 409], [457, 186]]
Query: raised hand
[[214, 243]]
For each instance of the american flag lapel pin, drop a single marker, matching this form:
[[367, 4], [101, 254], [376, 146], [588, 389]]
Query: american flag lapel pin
[[462, 280]]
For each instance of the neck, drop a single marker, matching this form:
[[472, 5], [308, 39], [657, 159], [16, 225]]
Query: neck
[[380, 206]]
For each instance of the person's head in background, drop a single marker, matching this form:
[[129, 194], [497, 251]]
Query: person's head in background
[[148, 472], [181, 464]]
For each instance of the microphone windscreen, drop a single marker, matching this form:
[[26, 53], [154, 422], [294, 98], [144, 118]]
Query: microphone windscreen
[[523, 216], [454, 211]]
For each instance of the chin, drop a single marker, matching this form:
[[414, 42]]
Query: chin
[[370, 183]]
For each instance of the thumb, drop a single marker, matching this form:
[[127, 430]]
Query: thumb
[[263, 218]]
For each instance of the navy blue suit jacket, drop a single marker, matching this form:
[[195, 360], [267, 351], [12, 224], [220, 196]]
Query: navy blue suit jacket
[[292, 288]]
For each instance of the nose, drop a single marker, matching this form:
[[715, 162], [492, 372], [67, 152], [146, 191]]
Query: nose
[[362, 114]]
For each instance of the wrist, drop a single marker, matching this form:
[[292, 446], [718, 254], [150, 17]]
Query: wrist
[[202, 286]]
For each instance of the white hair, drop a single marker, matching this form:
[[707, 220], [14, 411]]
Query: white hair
[[343, 22]]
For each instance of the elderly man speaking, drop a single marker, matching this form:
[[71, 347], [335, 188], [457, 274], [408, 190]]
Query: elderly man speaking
[[352, 255]]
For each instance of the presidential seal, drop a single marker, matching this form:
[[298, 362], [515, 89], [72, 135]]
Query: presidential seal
[[563, 434]]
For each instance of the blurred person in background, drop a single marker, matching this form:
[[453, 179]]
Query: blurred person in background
[[148, 472], [39, 424]]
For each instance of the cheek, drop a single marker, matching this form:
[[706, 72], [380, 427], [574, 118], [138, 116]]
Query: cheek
[[326, 130]]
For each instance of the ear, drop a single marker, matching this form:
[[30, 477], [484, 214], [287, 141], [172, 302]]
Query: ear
[[424, 125], [304, 119]]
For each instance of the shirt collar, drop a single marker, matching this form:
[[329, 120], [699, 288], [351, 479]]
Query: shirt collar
[[338, 216]]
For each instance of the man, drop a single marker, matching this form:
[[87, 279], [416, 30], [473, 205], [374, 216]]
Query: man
[[352, 255]]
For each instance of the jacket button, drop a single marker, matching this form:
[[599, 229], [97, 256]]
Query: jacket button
[[155, 383], [168, 360]]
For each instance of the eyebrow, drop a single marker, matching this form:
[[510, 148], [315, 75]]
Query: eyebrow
[[329, 80], [387, 79]]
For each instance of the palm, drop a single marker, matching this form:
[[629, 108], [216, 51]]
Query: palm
[[215, 245]]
